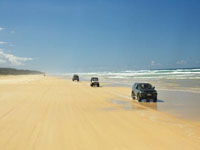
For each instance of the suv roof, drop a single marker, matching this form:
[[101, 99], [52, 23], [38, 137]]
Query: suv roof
[[142, 83]]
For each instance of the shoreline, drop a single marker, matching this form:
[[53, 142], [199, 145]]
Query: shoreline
[[169, 104], [166, 104]]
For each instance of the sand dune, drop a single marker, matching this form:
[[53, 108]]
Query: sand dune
[[46, 113]]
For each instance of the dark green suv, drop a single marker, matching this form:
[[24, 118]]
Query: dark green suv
[[144, 91], [94, 82], [75, 78]]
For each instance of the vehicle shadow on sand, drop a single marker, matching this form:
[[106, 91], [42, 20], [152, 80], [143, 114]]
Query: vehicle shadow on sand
[[160, 101], [135, 105], [151, 101], [97, 86]]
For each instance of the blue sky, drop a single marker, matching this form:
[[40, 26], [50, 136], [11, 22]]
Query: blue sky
[[99, 35]]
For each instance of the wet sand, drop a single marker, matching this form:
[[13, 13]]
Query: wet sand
[[183, 104], [40, 113]]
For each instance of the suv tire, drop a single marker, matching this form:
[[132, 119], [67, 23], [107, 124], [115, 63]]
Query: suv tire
[[155, 99], [133, 95], [139, 98]]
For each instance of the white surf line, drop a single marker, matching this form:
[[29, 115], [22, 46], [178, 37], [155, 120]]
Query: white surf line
[[164, 89]]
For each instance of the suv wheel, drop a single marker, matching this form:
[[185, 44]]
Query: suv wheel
[[139, 98], [133, 95], [155, 99]]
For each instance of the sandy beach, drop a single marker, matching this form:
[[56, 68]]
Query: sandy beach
[[50, 113]]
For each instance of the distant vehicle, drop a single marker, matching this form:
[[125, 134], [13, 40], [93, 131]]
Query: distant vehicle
[[94, 82], [75, 77], [144, 91]]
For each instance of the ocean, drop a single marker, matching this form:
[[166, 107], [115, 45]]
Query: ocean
[[148, 74]]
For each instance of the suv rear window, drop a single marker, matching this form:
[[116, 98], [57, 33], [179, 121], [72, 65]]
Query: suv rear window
[[94, 79], [145, 86]]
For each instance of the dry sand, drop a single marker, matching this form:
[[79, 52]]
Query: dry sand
[[46, 113]]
